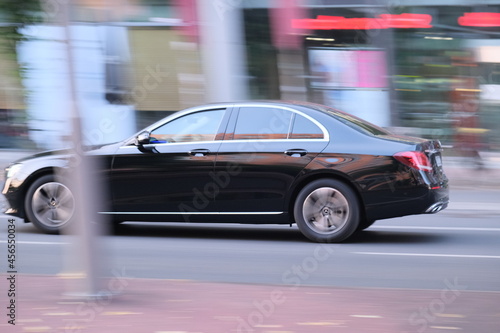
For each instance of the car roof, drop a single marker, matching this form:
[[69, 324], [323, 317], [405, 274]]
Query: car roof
[[346, 118]]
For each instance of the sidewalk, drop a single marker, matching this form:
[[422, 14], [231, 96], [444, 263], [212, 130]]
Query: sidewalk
[[180, 306], [464, 173]]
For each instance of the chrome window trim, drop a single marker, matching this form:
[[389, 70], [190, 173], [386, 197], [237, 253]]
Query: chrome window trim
[[173, 143], [326, 134], [227, 106], [276, 140], [228, 141]]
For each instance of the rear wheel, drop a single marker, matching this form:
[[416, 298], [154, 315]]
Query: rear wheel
[[49, 204], [327, 211]]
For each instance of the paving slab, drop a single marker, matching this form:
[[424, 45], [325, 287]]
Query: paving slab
[[44, 304]]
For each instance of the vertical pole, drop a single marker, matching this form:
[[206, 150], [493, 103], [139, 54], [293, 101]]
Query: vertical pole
[[81, 177], [222, 43]]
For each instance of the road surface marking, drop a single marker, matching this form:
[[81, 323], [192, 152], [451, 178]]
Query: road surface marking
[[433, 228], [39, 243], [121, 313], [78, 275], [449, 315], [428, 255], [37, 329], [320, 323], [59, 314]]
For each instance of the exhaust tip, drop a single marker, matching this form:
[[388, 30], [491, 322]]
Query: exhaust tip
[[436, 207]]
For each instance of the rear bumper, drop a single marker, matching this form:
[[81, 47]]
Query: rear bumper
[[423, 201]]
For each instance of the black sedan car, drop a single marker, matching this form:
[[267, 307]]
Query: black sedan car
[[250, 162]]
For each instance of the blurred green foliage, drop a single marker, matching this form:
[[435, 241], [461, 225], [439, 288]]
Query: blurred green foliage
[[14, 16]]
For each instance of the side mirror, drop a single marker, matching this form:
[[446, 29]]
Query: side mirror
[[142, 139]]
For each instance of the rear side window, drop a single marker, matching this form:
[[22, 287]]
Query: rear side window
[[304, 128], [348, 119], [361, 125], [262, 123]]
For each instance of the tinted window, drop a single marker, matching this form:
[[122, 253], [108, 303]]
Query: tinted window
[[360, 124], [199, 126], [348, 119], [262, 123], [303, 128]]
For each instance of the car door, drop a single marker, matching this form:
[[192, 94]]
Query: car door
[[264, 150], [169, 175]]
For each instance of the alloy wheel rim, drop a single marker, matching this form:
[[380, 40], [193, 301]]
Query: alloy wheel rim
[[53, 204], [326, 210]]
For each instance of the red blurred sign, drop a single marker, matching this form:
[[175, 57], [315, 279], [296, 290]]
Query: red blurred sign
[[383, 21], [480, 20], [188, 14], [407, 20]]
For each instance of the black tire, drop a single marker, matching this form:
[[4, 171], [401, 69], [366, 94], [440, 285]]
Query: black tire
[[115, 227], [365, 224], [49, 204], [327, 211]]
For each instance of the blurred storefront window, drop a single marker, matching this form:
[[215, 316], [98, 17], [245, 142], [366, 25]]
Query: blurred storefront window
[[261, 55], [441, 63], [443, 77], [426, 68]]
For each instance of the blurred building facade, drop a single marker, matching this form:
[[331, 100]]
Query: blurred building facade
[[429, 68]]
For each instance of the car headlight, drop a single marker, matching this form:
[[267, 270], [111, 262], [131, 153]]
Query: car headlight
[[13, 169]]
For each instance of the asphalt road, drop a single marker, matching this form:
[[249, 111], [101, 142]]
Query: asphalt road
[[458, 247]]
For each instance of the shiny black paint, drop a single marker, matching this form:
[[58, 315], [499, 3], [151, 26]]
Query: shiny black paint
[[166, 181], [264, 174]]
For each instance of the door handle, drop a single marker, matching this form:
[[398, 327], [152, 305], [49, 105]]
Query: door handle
[[199, 152], [296, 152]]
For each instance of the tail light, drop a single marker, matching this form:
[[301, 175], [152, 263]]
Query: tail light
[[414, 159]]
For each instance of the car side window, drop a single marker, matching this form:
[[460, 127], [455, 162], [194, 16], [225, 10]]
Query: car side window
[[199, 126], [262, 123], [304, 128]]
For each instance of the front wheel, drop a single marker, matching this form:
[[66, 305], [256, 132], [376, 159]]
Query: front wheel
[[327, 211], [49, 204]]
